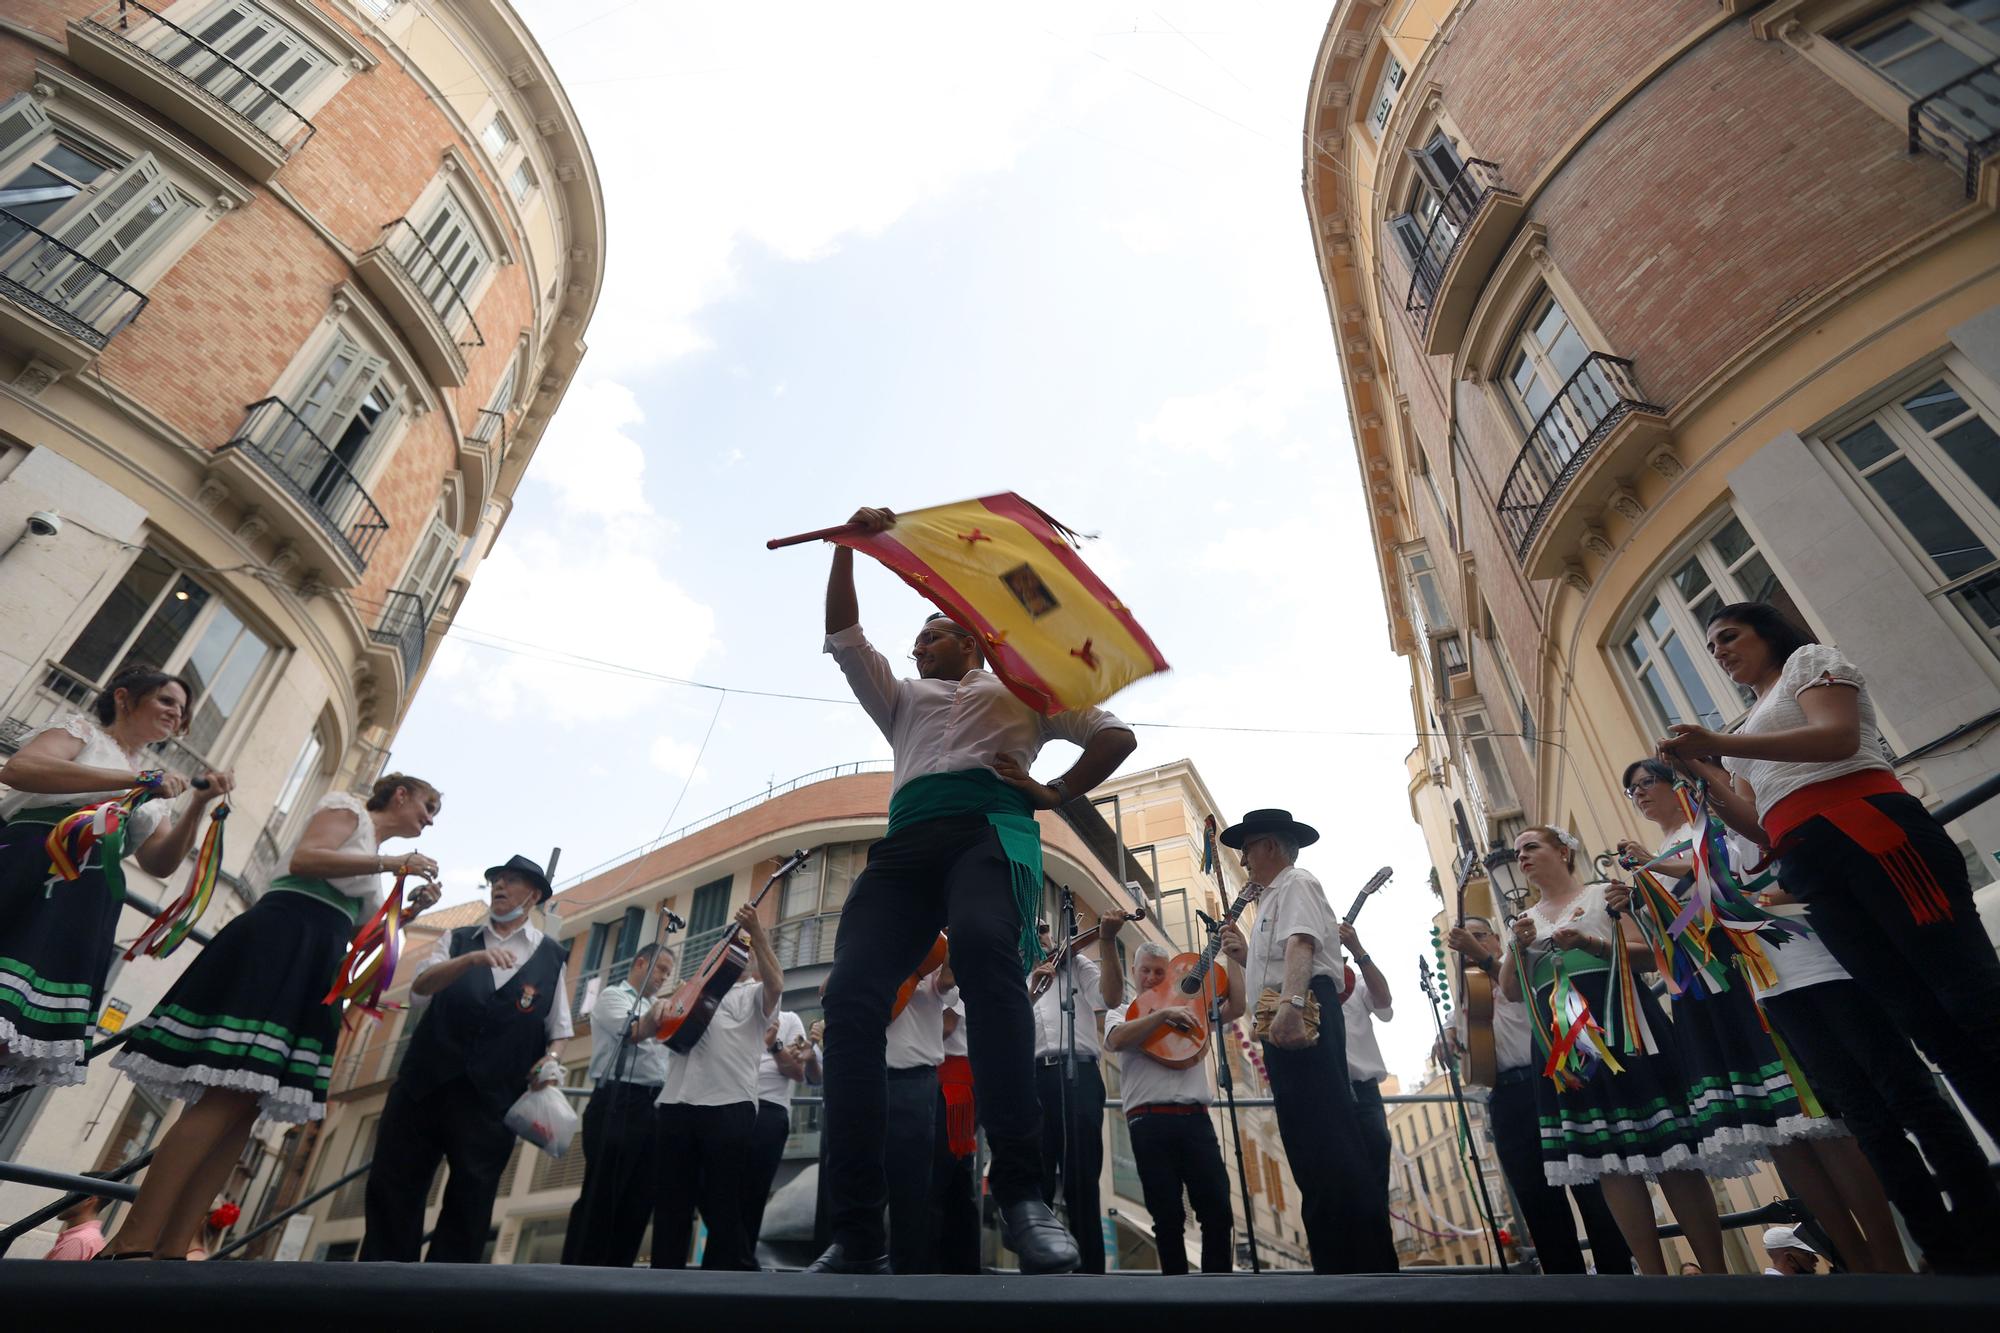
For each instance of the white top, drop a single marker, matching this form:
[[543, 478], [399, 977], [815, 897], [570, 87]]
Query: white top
[[1292, 904], [1779, 710], [721, 1070], [99, 751], [1798, 960], [1364, 1053], [361, 842], [916, 1036], [1586, 913], [1513, 1038], [519, 947], [954, 1039], [951, 726], [1052, 1030], [773, 1086], [645, 1062], [1144, 1081]]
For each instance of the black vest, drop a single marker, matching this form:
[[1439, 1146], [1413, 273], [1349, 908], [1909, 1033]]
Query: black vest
[[492, 1037]]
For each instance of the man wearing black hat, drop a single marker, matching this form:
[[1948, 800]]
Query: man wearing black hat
[[495, 1004], [1291, 960]]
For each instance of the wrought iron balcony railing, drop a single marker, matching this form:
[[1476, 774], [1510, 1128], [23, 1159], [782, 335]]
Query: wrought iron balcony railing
[[206, 73], [402, 627], [1597, 397], [1960, 122], [491, 427], [64, 286], [291, 453], [1457, 207], [806, 941], [432, 276]]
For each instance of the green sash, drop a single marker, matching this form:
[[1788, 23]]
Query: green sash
[[980, 791], [321, 891]]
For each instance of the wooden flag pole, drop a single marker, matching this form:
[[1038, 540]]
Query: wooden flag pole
[[820, 535]]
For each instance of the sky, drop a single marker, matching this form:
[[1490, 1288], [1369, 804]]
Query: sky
[[904, 255]]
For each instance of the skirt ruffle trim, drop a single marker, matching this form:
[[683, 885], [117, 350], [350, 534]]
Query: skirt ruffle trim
[[29, 1062], [1580, 1170], [286, 1105], [1756, 1141]]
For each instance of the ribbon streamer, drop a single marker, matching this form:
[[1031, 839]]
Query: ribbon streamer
[[80, 832], [370, 966], [178, 918]]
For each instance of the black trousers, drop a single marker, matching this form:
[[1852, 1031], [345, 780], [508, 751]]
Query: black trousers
[[1517, 1138], [1176, 1153], [454, 1125], [1940, 982], [703, 1155], [1078, 1160], [1374, 1113], [937, 874], [1864, 1068], [912, 1121], [608, 1220], [954, 1202], [767, 1149], [1346, 1221]]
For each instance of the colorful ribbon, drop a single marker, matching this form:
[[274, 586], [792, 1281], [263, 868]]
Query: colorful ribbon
[[370, 966], [100, 828], [178, 918]]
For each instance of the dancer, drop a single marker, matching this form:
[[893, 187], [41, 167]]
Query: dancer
[[1074, 1156], [607, 1222], [963, 851], [245, 1033], [788, 1058], [56, 933], [495, 1002]]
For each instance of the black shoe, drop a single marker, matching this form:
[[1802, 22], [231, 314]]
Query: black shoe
[[838, 1260], [1030, 1230]]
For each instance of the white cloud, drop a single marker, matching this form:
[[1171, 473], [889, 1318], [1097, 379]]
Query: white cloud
[[588, 455], [676, 758]]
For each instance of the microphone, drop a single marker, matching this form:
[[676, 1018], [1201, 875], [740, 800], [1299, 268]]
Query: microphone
[[675, 922]]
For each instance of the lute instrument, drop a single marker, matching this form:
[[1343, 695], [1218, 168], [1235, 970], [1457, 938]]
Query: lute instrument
[[693, 1003], [1475, 987], [1374, 884], [1039, 980], [935, 959], [1192, 981]]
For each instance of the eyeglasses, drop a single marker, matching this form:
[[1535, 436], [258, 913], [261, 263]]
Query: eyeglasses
[[1646, 783]]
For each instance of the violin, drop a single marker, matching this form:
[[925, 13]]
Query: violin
[[1040, 980]]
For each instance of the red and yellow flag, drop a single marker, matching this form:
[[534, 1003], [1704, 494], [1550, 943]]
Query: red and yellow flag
[[1004, 569]]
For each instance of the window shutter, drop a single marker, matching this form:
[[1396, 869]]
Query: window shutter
[[22, 122], [127, 215]]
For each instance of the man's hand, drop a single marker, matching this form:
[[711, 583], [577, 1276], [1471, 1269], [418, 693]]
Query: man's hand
[[1462, 940], [1044, 970], [816, 1034], [873, 520], [494, 958], [1350, 939], [547, 1074], [1234, 946], [1042, 796], [425, 897], [1109, 925], [1288, 1027], [746, 917], [771, 1035], [1179, 1016]]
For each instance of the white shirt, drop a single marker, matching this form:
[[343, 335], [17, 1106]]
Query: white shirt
[[1364, 1053], [519, 947], [721, 1070], [1812, 666], [99, 751], [954, 1040], [951, 726], [1293, 903], [1144, 1081], [645, 1061], [1513, 1039], [916, 1036], [1798, 960], [772, 1085], [1052, 1030]]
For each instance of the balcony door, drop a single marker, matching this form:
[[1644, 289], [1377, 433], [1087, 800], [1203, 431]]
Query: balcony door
[[246, 59], [448, 260], [348, 404]]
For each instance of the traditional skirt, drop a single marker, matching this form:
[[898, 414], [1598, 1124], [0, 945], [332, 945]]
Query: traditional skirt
[[55, 953], [246, 1015], [1633, 1123]]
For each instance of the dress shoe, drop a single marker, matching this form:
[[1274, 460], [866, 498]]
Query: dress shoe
[[1031, 1230], [838, 1259]]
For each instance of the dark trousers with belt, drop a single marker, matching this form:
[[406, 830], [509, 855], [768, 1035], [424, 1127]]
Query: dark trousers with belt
[[608, 1219], [954, 1202], [1346, 1222], [1374, 1114], [912, 1122], [1175, 1152], [703, 1155], [1867, 1073], [767, 1151], [1517, 1138], [1075, 1160], [936, 874], [454, 1125]]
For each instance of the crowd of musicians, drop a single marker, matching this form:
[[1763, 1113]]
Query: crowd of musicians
[[1799, 1046]]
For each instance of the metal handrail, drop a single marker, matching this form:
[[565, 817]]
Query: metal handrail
[[304, 464], [1600, 394], [1458, 205], [181, 76], [491, 424], [402, 627], [439, 270], [307, 1202], [1933, 127], [122, 1171], [27, 276]]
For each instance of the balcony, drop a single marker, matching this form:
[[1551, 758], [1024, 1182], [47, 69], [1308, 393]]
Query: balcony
[[233, 109], [320, 505], [1598, 418], [404, 619], [480, 453], [807, 941], [1476, 215], [1960, 123], [417, 288], [57, 302]]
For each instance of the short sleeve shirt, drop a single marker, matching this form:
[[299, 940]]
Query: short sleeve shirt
[[1292, 904]]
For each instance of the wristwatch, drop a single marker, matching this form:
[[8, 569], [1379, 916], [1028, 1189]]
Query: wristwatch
[[1296, 1001], [1361, 960]]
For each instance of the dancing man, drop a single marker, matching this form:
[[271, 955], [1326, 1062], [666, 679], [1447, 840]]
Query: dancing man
[[963, 851]]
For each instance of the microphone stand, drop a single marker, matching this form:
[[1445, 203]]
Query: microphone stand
[[1429, 984], [1227, 1082]]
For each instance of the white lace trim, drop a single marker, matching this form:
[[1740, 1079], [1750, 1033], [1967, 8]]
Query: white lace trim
[[1754, 1142], [29, 1062], [1580, 1170], [186, 1083]]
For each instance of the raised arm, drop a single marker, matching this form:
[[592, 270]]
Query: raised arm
[[47, 766], [843, 609], [769, 970], [1111, 969], [1832, 731]]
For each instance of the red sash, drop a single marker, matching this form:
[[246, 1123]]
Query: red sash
[[955, 1082], [1843, 802]]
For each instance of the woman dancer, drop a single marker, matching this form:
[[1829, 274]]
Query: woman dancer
[[56, 933], [1619, 1128], [244, 1033], [1743, 1098]]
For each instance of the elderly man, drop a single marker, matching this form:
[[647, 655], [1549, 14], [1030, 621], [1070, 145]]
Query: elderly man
[[1166, 1115], [628, 1065], [1294, 964], [494, 1013], [963, 852], [1790, 1255]]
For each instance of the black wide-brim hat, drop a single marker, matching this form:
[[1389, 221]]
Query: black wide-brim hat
[[1260, 822], [526, 869]]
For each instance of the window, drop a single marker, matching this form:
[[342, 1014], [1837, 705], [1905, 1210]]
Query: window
[[349, 403], [497, 136], [304, 769], [1931, 463], [431, 565], [1922, 47], [249, 60], [630, 927], [1547, 351], [1480, 762], [708, 913], [1386, 91], [381, 9], [448, 260], [1426, 600], [521, 181], [1663, 649], [820, 886], [1429, 226]]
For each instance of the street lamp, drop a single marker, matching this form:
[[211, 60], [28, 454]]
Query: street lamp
[[1503, 874]]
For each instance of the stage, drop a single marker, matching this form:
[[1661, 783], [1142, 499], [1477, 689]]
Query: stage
[[506, 1298]]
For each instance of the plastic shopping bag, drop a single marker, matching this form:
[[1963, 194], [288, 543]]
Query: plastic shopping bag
[[543, 1117]]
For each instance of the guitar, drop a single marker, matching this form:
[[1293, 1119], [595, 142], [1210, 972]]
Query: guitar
[[1039, 981], [1193, 982], [1374, 885], [692, 1005], [935, 959], [1482, 1058]]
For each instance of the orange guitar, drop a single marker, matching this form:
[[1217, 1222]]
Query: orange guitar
[[1191, 981], [933, 960]]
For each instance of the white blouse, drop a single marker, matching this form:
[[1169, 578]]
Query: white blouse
[[361, 842], [1780, 710], [100, 750]]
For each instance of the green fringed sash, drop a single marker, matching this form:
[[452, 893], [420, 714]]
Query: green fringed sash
[[980, 791], [320, 891]]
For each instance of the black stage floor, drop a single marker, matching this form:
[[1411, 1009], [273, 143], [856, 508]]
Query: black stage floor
[[374, 1298]]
